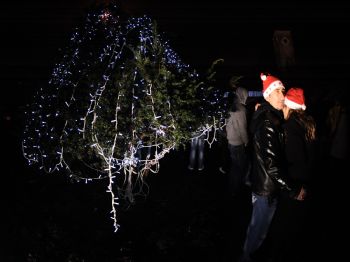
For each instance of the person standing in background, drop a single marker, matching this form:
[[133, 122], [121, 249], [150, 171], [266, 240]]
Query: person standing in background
[[237, 137], [229, 100], [196, 159]]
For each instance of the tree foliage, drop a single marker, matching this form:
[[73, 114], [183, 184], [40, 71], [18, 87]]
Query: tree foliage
[[117, 102]]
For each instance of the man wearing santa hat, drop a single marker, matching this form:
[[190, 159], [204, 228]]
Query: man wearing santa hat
[[268, 163]]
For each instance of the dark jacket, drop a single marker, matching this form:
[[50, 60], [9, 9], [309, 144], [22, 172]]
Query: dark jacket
[[300, 154], [268, 156]]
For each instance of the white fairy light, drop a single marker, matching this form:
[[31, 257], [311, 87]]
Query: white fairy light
[[100, 99]]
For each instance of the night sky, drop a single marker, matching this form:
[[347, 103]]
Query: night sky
[[239, 32]]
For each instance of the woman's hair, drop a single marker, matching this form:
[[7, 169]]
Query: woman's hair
[[306, 121]]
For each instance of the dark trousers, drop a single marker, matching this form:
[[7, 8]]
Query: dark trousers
[[238, 168]]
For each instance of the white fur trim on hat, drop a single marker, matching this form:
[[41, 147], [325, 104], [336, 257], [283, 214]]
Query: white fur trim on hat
[[274, 85], [293, 105]]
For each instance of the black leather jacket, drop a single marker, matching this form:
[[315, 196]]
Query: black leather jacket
[[268, 159]]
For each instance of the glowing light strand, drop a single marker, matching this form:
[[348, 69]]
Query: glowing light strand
[[116, 98]]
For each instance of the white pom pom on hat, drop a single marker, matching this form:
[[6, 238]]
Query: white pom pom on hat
[[263, 77]]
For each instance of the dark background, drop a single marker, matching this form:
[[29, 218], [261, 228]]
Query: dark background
[[186, 215], [240, 32]]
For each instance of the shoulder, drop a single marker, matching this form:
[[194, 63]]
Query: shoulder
[[292, 126], [274, 118]]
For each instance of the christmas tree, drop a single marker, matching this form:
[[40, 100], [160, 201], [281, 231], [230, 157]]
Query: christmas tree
[[118, 101]]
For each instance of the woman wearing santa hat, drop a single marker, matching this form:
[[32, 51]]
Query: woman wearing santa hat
[[300, 138], [289, 225]]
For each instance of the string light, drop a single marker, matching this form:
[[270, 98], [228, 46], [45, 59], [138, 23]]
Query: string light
[[119, 92]]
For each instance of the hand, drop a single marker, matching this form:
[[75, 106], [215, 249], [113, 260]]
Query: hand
[[302, 194], [257, 106]]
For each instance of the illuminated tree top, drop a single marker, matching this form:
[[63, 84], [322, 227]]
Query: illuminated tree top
[[117, 102]]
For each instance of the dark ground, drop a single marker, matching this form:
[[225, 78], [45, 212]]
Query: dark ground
[[186, 216]]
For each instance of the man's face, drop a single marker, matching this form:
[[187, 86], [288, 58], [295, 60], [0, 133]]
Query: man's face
[[276, 98]]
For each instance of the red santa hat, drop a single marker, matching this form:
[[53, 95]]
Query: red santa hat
[[270, 83], [295, 99]]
